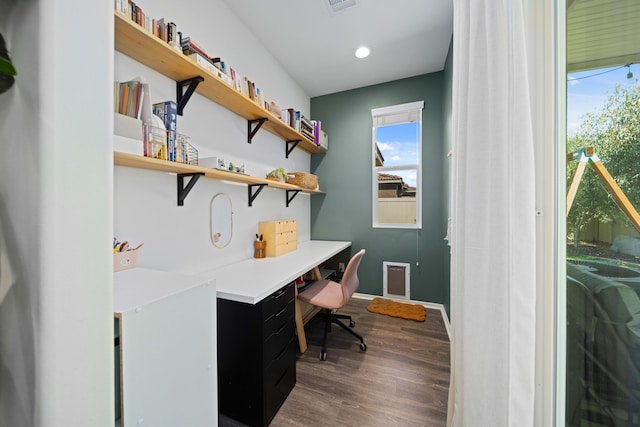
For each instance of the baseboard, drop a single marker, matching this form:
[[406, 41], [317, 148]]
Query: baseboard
[[429, 305]]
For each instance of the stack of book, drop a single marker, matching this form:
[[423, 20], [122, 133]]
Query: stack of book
[[292, 117], [128, 98], [167, 32], [168, 112], [190, 47], [306, 128], [197, 54], [249, 89]]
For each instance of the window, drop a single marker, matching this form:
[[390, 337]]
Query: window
[[599, 326], [397, 166]]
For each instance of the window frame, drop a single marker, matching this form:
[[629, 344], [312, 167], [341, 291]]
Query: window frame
[[387, 116]]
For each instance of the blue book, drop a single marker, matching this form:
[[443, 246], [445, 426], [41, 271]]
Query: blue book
[[168, 112], [296, 120]]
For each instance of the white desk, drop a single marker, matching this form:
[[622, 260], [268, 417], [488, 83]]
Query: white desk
[[168, 356], [252, 280]]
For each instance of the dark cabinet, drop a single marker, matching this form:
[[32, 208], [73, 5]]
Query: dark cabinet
[[256, 356]]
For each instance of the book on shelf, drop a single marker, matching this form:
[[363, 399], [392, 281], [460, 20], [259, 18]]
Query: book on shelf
[[320, 137], [317, 125], [122, 6], [235, 79], [172, 35], [168, 32], [129, 98], [306, 122], [205, 63], [139, 16], [305, 126], [200, 60], [189, 46], [284, 115], [290, 116], [162, 30], [307, 135], [147, 24], [168, 112], [295, 119]]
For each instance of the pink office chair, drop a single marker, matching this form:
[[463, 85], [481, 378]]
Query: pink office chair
[[331, 296]]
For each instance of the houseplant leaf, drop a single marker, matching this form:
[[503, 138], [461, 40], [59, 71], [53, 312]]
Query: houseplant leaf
[[6, 67]]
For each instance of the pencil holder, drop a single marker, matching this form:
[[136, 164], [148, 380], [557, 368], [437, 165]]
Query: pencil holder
[[125, 260], [259, 248]]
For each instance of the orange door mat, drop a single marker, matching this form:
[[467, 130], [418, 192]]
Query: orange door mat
[[402, 310]]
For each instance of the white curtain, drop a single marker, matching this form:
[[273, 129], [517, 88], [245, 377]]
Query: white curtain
[[493, 253]]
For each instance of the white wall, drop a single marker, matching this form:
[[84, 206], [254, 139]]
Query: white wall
[[176, 238], [57, 209], [56, 358]]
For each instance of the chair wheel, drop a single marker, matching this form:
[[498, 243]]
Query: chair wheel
[[323, 355], [352, 323], [363, 346]]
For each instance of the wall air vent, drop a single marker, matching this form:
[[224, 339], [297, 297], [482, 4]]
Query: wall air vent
[[336, 6]]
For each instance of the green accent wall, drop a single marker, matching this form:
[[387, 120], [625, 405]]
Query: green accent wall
[[344, 172]]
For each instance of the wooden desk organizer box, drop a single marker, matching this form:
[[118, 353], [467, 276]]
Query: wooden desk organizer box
[[281, 236]]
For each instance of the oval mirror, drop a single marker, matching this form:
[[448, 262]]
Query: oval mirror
[[221, 220]]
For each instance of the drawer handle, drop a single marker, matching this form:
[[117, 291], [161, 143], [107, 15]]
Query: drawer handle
[[280, 328], [281, 377], [282, 311], [279, 293], [281, 352]]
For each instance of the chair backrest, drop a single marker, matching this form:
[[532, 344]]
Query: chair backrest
[[350, 280]]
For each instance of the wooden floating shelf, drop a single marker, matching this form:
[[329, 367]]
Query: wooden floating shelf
[[140, 162], [132, 40]]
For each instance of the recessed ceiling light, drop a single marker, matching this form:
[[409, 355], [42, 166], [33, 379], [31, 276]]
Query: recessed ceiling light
[[362, 52]]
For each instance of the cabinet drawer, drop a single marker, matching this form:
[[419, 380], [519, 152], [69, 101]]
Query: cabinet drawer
[[284, 237], [283, 248], [277, 226], [274, 371], [275, 322], [275, 302], [279, 381], [277, 342], [283, 225]]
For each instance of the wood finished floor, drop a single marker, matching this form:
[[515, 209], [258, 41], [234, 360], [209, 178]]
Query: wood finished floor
[[401, 380]]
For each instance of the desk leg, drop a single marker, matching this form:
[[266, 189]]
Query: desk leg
[[302, 338]]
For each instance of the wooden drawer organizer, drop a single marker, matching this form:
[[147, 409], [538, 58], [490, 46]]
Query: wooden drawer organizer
[[281, 236]]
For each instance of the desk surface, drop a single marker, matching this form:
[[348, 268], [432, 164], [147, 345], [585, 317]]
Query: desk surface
[[253, 279], [139, 286]]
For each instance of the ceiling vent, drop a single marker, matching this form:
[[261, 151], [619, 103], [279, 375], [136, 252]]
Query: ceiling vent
[[336, 6]]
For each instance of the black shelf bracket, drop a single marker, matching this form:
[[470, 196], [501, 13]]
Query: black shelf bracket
[[252, 132], [252, 195], [183, 190], [291, 145], [293, 196], [183, 97]]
